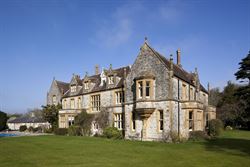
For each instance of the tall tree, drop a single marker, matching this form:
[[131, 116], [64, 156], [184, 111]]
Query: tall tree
[[214, 96], [50, 114], [244, 71], [243, 93], [3, 120]]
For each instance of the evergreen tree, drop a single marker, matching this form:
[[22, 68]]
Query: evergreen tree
[[243, 93], [3, 120], [244, 70], [50, 114]]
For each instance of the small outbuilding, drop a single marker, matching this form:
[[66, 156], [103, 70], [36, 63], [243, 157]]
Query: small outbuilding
[[14, 124]]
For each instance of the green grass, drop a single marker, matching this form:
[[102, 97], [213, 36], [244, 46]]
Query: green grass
[[232, 149]]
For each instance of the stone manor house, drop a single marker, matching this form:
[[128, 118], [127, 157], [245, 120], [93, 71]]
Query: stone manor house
[[149, 100]]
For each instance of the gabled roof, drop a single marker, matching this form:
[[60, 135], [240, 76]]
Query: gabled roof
[[63, 86], [96, 79], [76, 80], [179, 72]]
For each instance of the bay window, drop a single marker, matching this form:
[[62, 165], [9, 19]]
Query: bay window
[[145, 89]]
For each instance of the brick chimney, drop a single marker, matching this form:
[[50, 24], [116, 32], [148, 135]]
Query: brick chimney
[[97, 72], [178, 52]]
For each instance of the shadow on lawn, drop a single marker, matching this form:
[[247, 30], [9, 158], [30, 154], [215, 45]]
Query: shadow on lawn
[[229, 145]]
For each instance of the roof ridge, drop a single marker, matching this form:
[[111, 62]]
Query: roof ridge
[[162, 57], [61, 82]]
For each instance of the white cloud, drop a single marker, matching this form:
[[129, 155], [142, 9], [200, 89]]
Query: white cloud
[[114, 34], [118, 28]]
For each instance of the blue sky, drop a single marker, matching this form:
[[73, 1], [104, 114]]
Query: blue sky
[[47, 38]]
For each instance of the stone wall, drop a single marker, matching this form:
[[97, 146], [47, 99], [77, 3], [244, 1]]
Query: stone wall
[[54, 90]]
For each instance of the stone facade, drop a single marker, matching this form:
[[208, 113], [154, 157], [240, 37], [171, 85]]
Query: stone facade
[[153, 99]]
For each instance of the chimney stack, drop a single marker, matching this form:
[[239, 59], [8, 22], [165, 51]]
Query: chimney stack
[[178, 52], [97, 72]]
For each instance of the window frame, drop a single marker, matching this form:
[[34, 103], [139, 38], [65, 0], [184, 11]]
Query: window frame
[[118, 121], [73, 88], [161, 121], [119, 97], [54, 99], [72, 105], [71, 120], [142, 88], [95, 101], [79, 102], [111, 80], [191, 121], [133, 124], [86, 85]]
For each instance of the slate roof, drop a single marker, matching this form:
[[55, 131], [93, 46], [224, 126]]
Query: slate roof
[[63, 87], [97, 80], [178, 71], [27, 120]]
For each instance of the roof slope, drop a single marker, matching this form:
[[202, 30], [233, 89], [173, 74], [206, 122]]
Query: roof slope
[[96, 79], [27, 120], [63, 86], [178, 71]]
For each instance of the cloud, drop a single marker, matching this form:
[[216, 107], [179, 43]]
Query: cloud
[[132, 19], [114, 34], [117, 28]]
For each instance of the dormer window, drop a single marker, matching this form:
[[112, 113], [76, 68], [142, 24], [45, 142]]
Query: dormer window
[[111, 79], [86, 85], [73, 88]]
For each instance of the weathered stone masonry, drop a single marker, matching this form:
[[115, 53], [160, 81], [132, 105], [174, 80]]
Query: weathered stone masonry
[[153, 99]]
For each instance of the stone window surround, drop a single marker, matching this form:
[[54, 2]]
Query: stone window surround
[[72, 103], [79, 102], [118, 120], [191, 120], [54, 99], [111, 79], [160, 120], [133, 124], [119, 96], [95, 102], [71, 120], [73, 88], [151, 89], [86, 85]]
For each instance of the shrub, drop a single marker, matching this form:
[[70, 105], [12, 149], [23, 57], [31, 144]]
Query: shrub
[[48, 130], [61, 131], [112, 133], [84, 120], [215, 127], [74, 131], [38, 129], [198, 135], [174, 137], [22, 128], [31, 129], [229, 128]]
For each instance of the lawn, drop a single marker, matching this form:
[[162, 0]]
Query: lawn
[[231, 149]]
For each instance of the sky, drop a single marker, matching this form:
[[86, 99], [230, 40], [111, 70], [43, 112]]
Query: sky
[[43, 39]]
